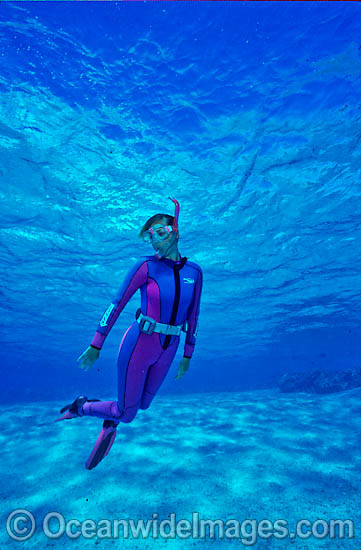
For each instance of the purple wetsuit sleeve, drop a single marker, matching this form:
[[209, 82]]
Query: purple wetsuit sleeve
[[135, 278], [192, 317]]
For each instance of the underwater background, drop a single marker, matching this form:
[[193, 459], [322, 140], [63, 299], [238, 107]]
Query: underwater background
[[249, 114]]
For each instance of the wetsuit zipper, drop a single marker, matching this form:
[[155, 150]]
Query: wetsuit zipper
[[175, 304]]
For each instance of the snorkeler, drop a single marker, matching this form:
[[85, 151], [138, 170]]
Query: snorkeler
[[170, 287]]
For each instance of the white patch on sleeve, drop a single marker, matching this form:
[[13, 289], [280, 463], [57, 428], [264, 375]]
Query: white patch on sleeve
[[104, 319]]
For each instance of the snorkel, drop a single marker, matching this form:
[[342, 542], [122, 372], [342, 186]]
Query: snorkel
[[176, 214], [174, 227]]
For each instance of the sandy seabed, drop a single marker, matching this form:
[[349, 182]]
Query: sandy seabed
[[246, 455]]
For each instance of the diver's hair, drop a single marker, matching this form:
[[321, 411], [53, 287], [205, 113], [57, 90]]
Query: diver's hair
[[154, 219]]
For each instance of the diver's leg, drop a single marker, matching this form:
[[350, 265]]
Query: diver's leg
[[137, 351], [130, 386], [157, 373], [131, 375], [108, 410]]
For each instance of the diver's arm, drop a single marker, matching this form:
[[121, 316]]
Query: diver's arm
[[135, 278], [192, 317]]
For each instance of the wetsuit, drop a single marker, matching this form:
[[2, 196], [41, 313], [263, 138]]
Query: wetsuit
[[170, 293]]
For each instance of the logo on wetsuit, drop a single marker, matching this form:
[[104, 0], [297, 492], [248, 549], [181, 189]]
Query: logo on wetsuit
[[104, 319], [188, 280]]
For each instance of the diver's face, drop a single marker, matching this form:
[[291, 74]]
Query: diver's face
[[163, 245]]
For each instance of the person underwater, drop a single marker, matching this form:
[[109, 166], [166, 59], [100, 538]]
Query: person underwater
[[170, 287]]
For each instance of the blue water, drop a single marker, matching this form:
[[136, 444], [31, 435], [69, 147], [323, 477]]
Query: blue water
[[249, 114]]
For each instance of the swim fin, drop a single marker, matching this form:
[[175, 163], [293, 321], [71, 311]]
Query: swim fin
[[73, 409], [103, 444]]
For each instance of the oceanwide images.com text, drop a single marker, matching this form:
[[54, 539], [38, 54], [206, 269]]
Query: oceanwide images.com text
[[21, 525]]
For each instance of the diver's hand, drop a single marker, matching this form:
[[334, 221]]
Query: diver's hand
[[88, 358], [183, 367]]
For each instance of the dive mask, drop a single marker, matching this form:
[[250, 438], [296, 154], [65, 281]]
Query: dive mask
[[158, 232]]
